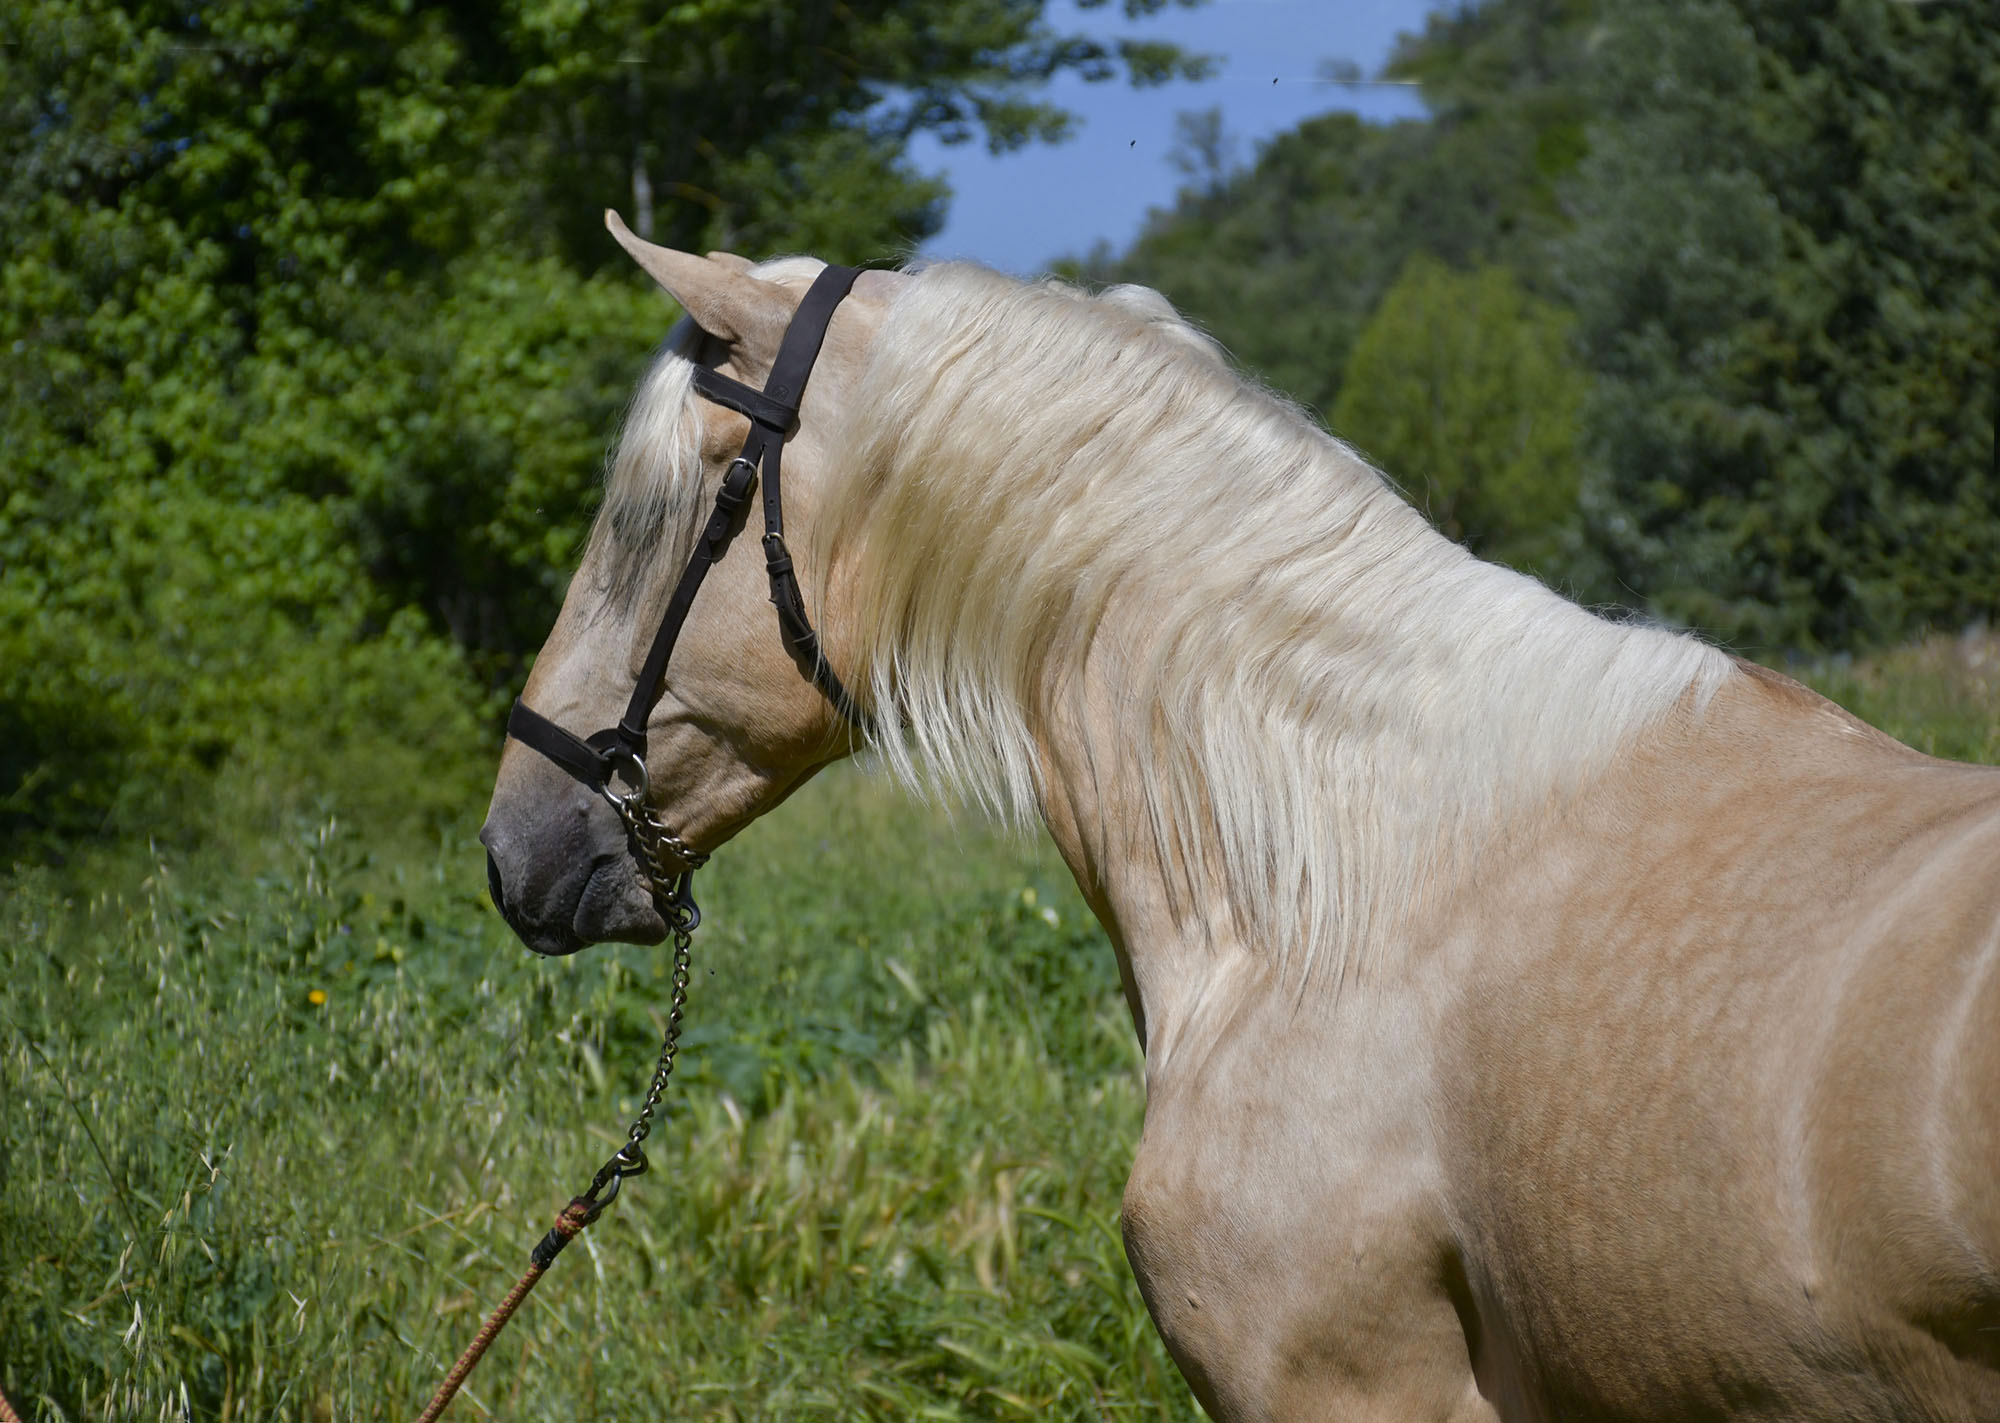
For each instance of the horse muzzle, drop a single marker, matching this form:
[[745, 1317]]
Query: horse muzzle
[[565, 878]]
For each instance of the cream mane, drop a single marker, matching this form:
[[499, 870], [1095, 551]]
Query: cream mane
[[1325, 700], [1327, 703]]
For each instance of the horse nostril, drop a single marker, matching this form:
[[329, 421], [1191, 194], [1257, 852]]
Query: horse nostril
[[493, 883]]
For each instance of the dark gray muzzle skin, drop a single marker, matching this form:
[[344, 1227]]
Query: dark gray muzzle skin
[[560, 869]]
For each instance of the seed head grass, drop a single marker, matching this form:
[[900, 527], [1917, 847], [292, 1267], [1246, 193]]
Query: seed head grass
[[272, 1145]]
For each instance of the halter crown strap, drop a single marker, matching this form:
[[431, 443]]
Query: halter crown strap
[[773, 412]]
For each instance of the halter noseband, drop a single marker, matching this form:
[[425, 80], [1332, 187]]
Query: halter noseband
[[601, 758]]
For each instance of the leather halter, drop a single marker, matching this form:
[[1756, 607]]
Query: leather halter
[[773, 412]]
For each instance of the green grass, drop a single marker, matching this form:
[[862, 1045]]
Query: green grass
[[886, 1186], [1941, 696]]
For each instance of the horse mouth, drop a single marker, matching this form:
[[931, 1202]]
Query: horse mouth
[[590, 901], [615, 906]]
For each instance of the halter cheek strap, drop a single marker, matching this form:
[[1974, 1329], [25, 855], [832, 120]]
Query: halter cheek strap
[[773, 412]]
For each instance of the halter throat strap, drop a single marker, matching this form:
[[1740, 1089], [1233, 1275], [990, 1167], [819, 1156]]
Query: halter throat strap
[[773, 413]]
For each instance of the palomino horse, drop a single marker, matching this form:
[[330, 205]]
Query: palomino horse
[[1544, 1017]]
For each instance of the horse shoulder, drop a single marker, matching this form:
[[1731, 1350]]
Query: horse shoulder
[[1283, 1219]]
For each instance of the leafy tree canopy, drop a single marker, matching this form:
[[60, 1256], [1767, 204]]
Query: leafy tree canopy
[[1462, 385], [1786, 268], [311, 339], [1285, 261]]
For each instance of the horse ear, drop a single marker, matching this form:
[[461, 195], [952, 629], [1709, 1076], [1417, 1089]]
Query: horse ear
[[732, 261], [724, 301]]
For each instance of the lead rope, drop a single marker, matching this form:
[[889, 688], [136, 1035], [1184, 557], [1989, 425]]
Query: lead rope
[[677, 907], [7, 1413]]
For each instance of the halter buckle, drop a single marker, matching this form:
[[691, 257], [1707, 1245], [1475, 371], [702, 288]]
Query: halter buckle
[[736, 482]]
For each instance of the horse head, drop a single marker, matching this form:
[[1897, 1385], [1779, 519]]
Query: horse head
[[733, 725]]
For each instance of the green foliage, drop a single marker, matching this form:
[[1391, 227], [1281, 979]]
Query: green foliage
[[311, 339], [1783, 255], [1784, 269], [1463, 387], [885, 1186], [170, 600], [1285, 262]]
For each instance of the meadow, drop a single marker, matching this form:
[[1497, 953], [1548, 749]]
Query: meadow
[[280, 1119]]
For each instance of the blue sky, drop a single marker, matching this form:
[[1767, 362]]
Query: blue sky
[[1019, 211]]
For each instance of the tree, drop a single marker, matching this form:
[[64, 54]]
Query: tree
[[1285, 262], [310, 338], [1784, 268], [1462, 388], [1204, 152]]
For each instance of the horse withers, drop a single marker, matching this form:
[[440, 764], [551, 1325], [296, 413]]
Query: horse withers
[[1543, 1017]]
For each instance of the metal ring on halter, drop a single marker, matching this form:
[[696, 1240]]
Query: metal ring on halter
[[633, 765]]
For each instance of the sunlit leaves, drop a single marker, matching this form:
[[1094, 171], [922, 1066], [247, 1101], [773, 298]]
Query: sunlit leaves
[[312, 341], [1462, 386]]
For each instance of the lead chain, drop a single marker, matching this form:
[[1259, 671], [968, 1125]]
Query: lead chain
[[672, 892], [673, 896], [670, 1040], [656, 841]]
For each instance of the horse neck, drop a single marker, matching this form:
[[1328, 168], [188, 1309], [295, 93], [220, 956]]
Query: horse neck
[[1261, 701], [1350, 773]]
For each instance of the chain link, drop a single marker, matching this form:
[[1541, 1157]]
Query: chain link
[[682, 927], [669, 863], [667, 857]]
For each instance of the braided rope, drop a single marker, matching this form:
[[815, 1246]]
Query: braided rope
[[7, 1413], [676, 903], [581, 1211]]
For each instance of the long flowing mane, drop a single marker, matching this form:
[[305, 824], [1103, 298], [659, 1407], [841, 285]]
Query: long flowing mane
[[1324, 701], [1325, 704]]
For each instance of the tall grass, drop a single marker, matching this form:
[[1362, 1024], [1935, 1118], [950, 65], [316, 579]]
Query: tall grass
[[271, 1149], [278, 1125], [1941, 696]]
